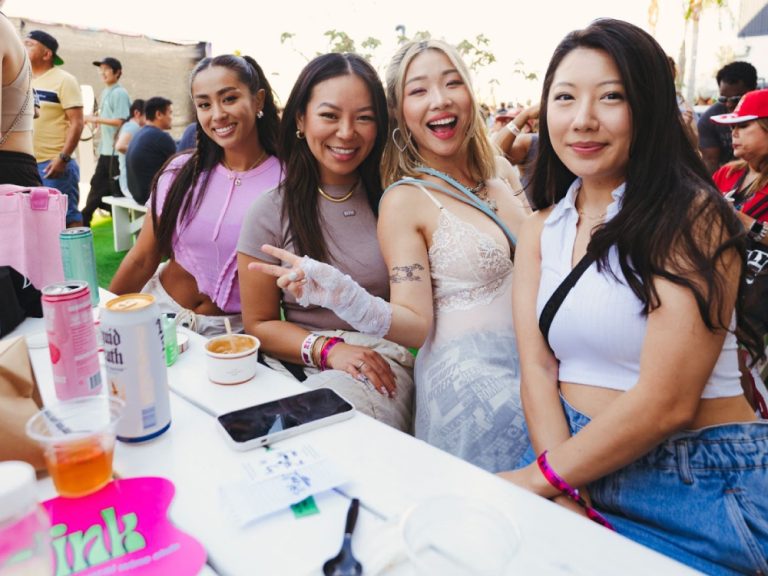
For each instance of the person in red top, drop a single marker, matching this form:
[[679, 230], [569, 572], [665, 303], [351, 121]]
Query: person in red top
[[745, 180]]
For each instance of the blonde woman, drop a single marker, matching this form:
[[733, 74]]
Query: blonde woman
[[445, 228]]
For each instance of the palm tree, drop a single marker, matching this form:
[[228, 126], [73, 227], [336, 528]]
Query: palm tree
[[692, 14]]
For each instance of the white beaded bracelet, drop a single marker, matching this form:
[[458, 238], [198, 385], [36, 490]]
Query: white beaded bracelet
[[512, 127]]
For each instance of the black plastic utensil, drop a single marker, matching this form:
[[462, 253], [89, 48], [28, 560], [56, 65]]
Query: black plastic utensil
[[345, 563]]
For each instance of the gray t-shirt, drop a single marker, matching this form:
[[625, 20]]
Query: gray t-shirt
[[350, 234], [713, 135]]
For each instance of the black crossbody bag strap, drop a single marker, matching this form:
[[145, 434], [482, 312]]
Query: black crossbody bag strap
[[558, 296], [759, 209]]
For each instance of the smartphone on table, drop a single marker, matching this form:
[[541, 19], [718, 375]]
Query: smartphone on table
[[269, 422]]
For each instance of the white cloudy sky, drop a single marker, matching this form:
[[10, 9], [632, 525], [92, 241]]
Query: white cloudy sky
[[519, 30]]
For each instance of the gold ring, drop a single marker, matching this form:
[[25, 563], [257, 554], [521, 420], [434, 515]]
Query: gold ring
[[360, 366]]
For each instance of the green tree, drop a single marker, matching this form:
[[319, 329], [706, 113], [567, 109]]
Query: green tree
[[519, 68], [339, 41], [476, 52], [287, 38], [369, 46]]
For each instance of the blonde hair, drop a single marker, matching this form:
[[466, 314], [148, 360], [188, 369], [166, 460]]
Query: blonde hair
[[738, 165], [398, 162]]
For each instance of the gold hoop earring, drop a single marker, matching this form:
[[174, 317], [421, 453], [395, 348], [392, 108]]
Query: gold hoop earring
[[299, 134]]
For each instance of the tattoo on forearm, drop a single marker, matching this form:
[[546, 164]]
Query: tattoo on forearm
[[405, 273]]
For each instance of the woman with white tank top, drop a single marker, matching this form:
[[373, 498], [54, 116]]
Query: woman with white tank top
[[633, 402]]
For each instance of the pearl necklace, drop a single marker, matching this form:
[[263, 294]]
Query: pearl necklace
[[340, 199]]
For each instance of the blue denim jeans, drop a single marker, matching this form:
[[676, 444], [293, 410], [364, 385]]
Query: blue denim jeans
[[69, 184], [700, 497]]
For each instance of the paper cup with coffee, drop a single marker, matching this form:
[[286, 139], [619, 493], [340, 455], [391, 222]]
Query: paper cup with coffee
[[232, 359]]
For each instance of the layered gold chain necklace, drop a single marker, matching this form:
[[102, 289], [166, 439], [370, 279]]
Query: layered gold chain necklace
[[338, 199], [581, 212], [478, 190]]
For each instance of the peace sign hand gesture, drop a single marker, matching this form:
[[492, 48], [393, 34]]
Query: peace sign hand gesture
[[290, 278], [313, 282]]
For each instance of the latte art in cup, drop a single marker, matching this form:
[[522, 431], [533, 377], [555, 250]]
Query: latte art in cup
[[234, 344], [232, 359]]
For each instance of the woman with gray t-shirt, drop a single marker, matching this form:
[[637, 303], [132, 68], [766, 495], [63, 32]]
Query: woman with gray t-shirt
[[331, 141]]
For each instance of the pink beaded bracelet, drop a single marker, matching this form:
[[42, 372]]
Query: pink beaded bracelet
[[329, 343], [573, 493]]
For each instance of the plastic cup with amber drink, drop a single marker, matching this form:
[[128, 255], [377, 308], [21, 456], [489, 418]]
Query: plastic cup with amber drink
[[78, 440]]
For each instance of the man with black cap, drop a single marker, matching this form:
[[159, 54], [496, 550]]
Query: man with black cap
[[733, 80], [114, 109], [60, 124]]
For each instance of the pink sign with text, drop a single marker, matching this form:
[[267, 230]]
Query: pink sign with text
[[122, 529]]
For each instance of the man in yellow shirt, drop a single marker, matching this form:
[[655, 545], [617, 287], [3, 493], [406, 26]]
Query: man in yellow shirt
[[60, 124]]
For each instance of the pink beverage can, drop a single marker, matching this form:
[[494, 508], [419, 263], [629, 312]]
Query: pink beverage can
[[71, 339], [134, 353]]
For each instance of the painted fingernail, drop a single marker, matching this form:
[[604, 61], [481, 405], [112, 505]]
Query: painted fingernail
[[293, 276]]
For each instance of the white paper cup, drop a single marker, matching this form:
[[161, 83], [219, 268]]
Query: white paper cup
[[232, 359]]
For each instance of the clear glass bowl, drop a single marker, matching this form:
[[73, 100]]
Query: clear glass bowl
[[455, 535]]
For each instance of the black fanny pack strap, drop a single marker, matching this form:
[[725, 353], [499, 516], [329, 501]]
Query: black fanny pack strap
[[558, 296]]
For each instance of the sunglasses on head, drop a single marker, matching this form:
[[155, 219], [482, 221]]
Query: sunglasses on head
[[731, 99]]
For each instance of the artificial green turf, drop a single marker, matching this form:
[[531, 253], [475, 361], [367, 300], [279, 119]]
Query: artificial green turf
[[107, 260]]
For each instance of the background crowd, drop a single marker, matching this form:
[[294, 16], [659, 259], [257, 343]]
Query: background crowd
[[579, 280]]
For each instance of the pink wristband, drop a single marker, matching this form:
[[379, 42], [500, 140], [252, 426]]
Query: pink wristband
[[573, 493], [330, 343]]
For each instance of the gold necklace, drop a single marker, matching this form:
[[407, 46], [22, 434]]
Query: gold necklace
[[588, 216], [481, 192], [478, 190], [258, 161], [340, 199], [598, 217]]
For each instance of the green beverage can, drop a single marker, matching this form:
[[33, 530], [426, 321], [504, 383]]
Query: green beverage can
[[169, 334], [79, 258]]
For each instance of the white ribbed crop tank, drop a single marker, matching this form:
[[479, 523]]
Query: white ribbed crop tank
[[598, 332]]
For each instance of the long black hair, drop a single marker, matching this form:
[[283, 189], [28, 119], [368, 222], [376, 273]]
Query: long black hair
[[302, 176], [180, 201], [673, 223]]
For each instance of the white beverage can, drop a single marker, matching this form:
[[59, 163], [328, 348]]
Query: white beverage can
[[134, 353]]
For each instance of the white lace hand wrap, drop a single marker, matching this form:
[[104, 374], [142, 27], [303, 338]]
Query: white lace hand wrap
[[329, 288]]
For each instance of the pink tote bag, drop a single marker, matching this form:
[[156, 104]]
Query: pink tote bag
[[30, 222]]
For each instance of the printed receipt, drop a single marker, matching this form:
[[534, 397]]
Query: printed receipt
[[276, 479]]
